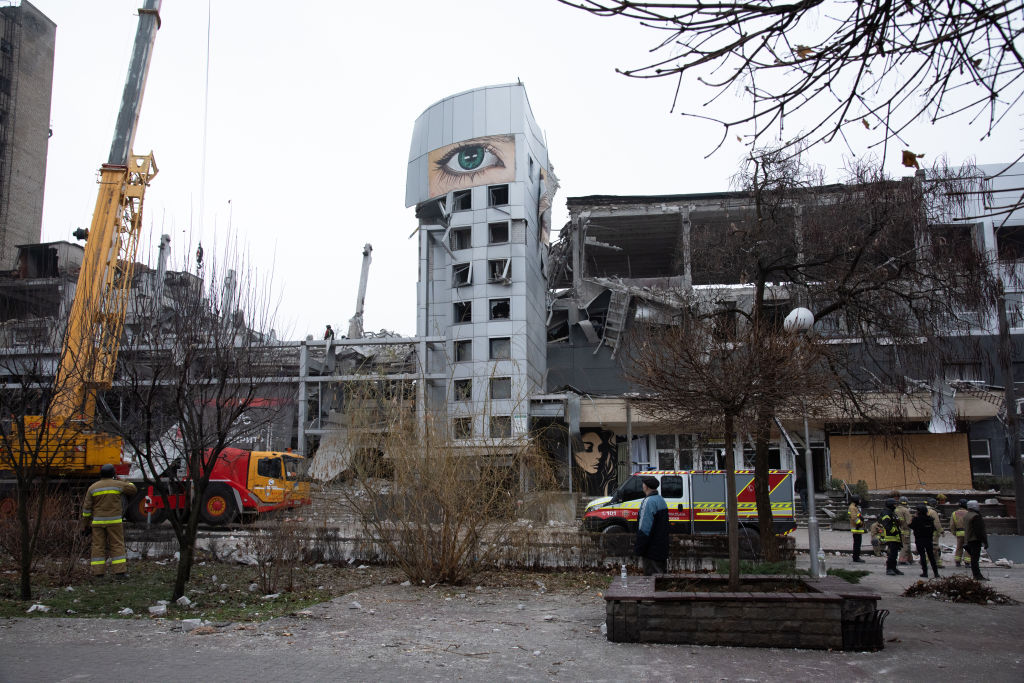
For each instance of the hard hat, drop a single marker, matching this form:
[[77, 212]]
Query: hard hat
[[973, 505], [941, 497], [904, 500], [922, 509], [856, 499], [890, 503], [963, 502], [107, 471]]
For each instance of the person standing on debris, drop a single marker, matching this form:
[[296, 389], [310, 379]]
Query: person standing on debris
[[856, 527], [328, 333], [933, 512], [652, 530], [891, 536], [923, 527], [975, 538], [903, 514], [101, 511], [958, 529]]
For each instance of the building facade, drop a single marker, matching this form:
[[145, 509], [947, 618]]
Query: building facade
[[26, 78]]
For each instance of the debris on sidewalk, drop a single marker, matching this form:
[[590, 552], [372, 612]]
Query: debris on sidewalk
[[958, 589]]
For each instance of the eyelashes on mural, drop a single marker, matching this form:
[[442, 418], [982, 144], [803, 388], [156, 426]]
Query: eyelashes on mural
[[466, 161]]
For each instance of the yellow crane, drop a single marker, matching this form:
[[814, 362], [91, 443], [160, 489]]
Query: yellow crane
[[96, 322]]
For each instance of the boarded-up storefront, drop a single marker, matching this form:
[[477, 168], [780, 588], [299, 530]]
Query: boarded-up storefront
[[930, 461]]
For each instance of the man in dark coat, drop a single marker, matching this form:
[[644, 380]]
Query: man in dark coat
[[891, 536], [652, 531], [975, 537], [923, 527]]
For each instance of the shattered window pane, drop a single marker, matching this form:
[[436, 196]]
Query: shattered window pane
[[463, 350], [463, 389], [497, 233], [462, 427], [461, 239], [501, 348], [463, 312], [498, 270], [501, 426], [497, 195], [462, 200], [501, 309]]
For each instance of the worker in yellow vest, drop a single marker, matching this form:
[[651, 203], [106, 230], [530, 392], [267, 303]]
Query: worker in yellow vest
[[101, 513], [903, 515], [856, 527], [891, 536], [958, 527]]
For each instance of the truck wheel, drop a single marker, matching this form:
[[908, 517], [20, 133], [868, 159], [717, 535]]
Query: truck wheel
[[136, 511], [615, 540], [218, 506]]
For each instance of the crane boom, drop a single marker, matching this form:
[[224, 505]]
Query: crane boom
[[355, 323], [94, 327]]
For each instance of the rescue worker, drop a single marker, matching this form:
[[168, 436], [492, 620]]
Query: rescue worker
[[101, 511], [891, 536], [975, 538], [933, 512], [856, 526], [903, 514], [876, 539], [958, 528], [652, 529], [923, 526]]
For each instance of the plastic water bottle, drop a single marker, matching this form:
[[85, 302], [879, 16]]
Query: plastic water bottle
[[624, 574], [821, 561]]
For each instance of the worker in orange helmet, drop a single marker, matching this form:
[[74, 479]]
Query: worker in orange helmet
[[101, 511]]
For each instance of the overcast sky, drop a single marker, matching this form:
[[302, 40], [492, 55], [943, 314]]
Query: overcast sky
[[310, 112]]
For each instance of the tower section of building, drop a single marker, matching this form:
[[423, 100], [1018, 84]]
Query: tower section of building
[[26, 77], [481, 182]]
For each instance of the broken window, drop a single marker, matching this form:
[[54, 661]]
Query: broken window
[[461, 238], [501, 348], [497, 233], [498, 270], [501, 387], [463, 350], [463, 389], [462, 200], [968, 371], [952, 242], [462, 427], [497, 195], [462, 274], [501, 426], [463, 312], [1015, 309], [501, 309], [1010, 242]]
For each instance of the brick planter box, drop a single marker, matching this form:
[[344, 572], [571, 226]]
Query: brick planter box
[[770, 611]]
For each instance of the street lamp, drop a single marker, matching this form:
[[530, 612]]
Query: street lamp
[[800, 321]]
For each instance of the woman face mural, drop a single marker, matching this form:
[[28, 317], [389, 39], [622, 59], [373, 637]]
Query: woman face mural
[[480, 161], [597, 460]]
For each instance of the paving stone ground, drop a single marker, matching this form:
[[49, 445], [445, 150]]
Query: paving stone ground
[[407, 632]]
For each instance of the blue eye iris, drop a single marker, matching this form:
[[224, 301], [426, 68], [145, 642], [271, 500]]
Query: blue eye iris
[[471, 157]]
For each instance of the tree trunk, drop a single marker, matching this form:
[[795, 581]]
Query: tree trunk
[[731, 509], [186, 551], [25, 544], [762, 492]]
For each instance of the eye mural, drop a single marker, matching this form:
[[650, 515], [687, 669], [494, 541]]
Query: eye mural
[[480, 161]]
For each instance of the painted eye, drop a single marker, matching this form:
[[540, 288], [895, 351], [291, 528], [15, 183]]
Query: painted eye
[[469, 159]]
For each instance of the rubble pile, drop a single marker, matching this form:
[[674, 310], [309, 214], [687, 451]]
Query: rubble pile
[[958, 589]]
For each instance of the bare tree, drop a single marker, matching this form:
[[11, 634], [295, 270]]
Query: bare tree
[[194, 381], [877, 64], [882, 276]]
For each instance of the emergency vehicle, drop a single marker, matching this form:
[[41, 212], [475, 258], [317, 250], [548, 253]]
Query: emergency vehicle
[[696, 502]]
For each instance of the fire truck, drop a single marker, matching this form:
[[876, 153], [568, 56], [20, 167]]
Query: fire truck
[[243, 483], [696, 502]]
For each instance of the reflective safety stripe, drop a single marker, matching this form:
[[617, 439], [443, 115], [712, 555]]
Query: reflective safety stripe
[[102, 560], [961, 533], [104, 492], [106, 520], [857, 531], [119, 560], [87, 514]]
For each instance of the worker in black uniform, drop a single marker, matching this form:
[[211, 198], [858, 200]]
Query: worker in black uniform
[[923, 527]]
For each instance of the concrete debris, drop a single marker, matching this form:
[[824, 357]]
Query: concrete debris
[[355, 605], [184, 601], [406, 583], [37, 608], [158, 611], [189, 625], [272, 596], [253, 587], [126, 612], [332, 457], [1003, 562]]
